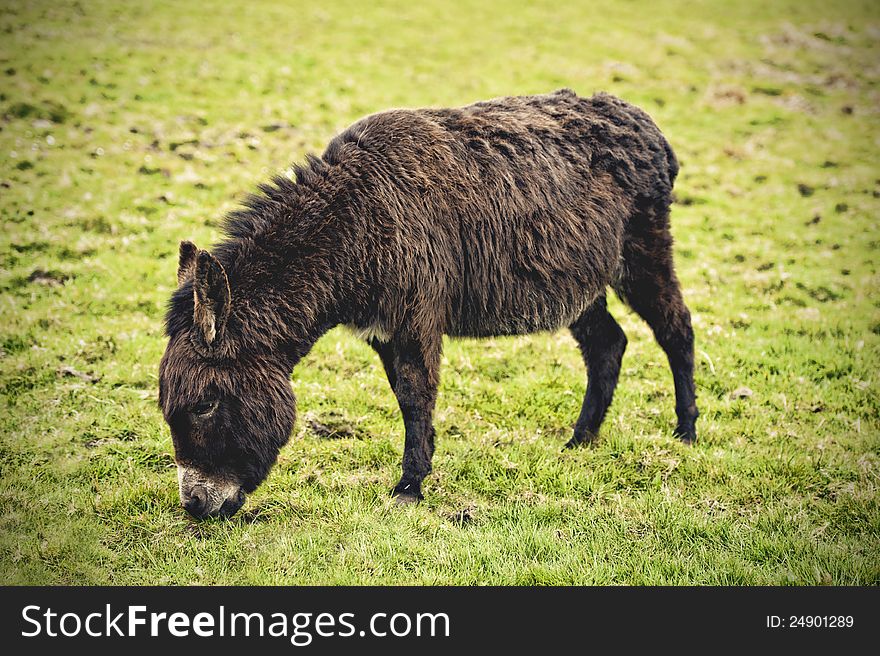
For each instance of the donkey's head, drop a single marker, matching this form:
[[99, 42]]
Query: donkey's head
[[229, 405]]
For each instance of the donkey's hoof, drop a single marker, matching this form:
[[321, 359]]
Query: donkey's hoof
[[406, 499], [576, 442], [406, 494], [688, 438]]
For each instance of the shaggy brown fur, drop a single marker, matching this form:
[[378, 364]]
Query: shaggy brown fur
[[504, 217]]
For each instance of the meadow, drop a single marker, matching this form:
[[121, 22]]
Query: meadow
[[127, 127]]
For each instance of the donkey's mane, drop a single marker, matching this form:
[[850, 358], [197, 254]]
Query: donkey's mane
[[292, 199], [276, 199]]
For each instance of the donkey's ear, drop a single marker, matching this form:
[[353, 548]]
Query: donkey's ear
[[187, 261], [211, 296]]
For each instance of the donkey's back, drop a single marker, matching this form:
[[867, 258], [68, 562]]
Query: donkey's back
[[512, 213]]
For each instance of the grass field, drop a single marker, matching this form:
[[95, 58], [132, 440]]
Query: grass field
[[127, 127]]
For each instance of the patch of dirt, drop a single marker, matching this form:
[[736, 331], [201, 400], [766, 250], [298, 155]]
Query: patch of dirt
[[741, 393], [805, 190], [726, 96], [796, 103], [70, 372], [48, 278], [463, 517], [332, 426]]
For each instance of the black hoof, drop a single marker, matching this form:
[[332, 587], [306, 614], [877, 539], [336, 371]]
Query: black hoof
[[406, 499], [406, 494], [575, 441], [686, 435]]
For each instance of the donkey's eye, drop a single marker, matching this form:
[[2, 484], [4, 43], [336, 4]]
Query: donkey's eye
[[205, 408]]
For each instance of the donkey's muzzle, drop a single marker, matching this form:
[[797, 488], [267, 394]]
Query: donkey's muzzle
[[208, 496], [197, 503]]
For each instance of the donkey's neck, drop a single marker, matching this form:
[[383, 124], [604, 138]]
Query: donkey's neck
[[291, 277]]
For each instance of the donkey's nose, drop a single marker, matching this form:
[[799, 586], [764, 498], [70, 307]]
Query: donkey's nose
[[197, 502]]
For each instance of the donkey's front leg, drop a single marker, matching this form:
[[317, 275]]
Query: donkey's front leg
[[416, 369]]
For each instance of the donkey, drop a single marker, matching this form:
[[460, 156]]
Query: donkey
[[503, 217]]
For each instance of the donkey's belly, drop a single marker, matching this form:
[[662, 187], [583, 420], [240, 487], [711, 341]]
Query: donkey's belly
[[520, 310]]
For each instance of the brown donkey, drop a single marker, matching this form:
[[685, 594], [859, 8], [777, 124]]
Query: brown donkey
[[504, 217]]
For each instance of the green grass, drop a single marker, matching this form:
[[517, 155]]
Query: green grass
[[127, 127]]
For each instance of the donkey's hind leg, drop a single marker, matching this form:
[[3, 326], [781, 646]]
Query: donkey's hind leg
[[648, 284], [602, 344]]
